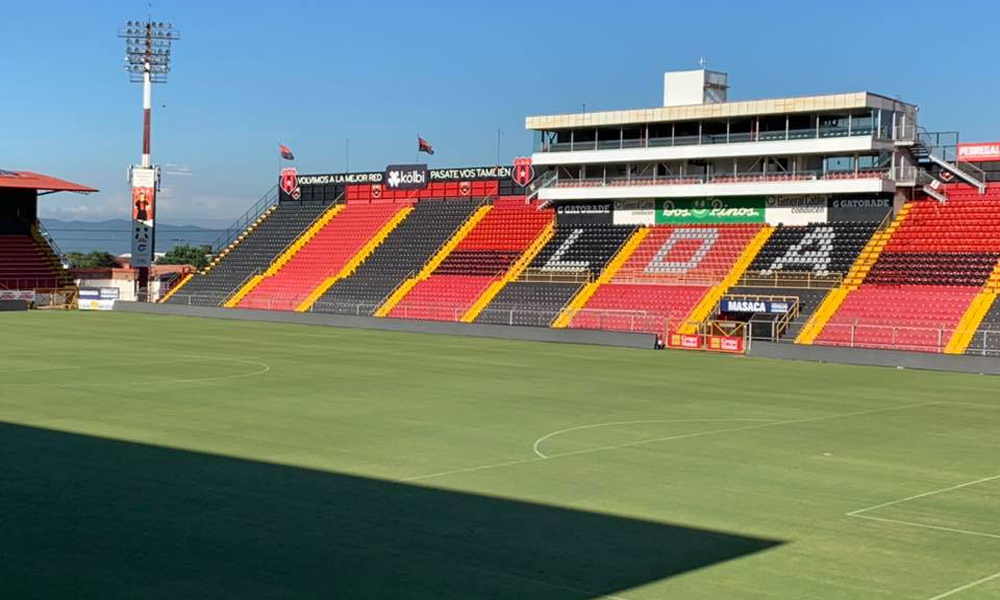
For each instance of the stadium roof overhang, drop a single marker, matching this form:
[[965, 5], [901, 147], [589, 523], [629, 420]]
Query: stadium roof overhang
[[720, 110], [43, 184]]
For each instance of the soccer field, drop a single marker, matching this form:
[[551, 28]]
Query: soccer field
[[153, 457]]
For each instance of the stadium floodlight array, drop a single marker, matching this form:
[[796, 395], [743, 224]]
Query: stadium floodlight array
[[147, 49], [147, 61]]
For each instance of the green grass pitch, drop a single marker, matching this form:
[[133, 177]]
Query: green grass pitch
[[153, 457]]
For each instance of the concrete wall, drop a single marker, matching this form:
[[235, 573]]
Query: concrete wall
[[8, 305], [536, 334], [878, 358]]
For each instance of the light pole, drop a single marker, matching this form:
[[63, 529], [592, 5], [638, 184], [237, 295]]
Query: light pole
[[147, 61]]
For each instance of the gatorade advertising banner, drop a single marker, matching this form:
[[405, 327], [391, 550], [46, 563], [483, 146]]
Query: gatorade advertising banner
[[701, 211], [582, 214], [859, 208]]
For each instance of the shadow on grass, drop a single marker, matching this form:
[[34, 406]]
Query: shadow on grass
[[90, 518]]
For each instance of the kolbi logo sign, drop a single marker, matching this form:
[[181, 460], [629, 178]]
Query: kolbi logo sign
[[290, 183], [406, 177]]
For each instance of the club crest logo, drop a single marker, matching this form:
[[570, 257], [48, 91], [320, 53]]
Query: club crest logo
[[290, 183], [376, 191], [523, 172], [465, 188]]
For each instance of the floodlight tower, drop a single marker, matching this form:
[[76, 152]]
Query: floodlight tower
[[147, 61]]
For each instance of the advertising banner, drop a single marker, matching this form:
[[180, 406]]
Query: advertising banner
[[720, 343], [711, 343], [25, 295], [143, 215], [859, 208], [579, 214], [406, 177], [981, 152], [687, 342], [743, 305], [700, 211], [796, 210], [635, 212], [97, 298]]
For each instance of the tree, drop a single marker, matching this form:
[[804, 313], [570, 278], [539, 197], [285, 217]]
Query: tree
[[185, 255], [90, 260]]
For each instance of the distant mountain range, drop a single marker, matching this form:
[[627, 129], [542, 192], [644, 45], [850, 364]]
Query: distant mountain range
[[114, 235]]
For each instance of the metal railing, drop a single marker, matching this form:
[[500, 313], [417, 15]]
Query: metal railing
[[790, 279], [244, 220], [896, 337], [638, 276], [985, 343], [31, 283], [709, 139], [245, 281], [535, 187], [439, 311], [547, 276], [754, 177], [46, 236], [852, 335]]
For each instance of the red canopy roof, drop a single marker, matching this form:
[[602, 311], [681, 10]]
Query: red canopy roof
[[42, 183]]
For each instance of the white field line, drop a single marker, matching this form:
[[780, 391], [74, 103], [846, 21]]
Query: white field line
[[926, 526], [36, 369], [966, 587], [549, 436], [860, 511], [669, 438], [262, 368]]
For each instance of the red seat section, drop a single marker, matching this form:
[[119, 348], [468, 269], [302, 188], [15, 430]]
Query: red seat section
[[968, 222], [25, 265], [906, 317], [484, 255], [441, 297], [926, 276], [687, 253], [665, 278], [323, 256], [638, 307]]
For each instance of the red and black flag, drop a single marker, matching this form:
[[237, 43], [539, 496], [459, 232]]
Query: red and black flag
[[286, 152], [424, 146]]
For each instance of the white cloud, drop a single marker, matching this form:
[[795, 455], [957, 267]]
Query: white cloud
[[178, 170]]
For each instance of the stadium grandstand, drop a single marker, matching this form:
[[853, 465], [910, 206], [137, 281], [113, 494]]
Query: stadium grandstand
[[31, 267], [816, 220], [348, 397]]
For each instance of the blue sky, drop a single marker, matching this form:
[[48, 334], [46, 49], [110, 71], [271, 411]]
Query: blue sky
[[312, 74]]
